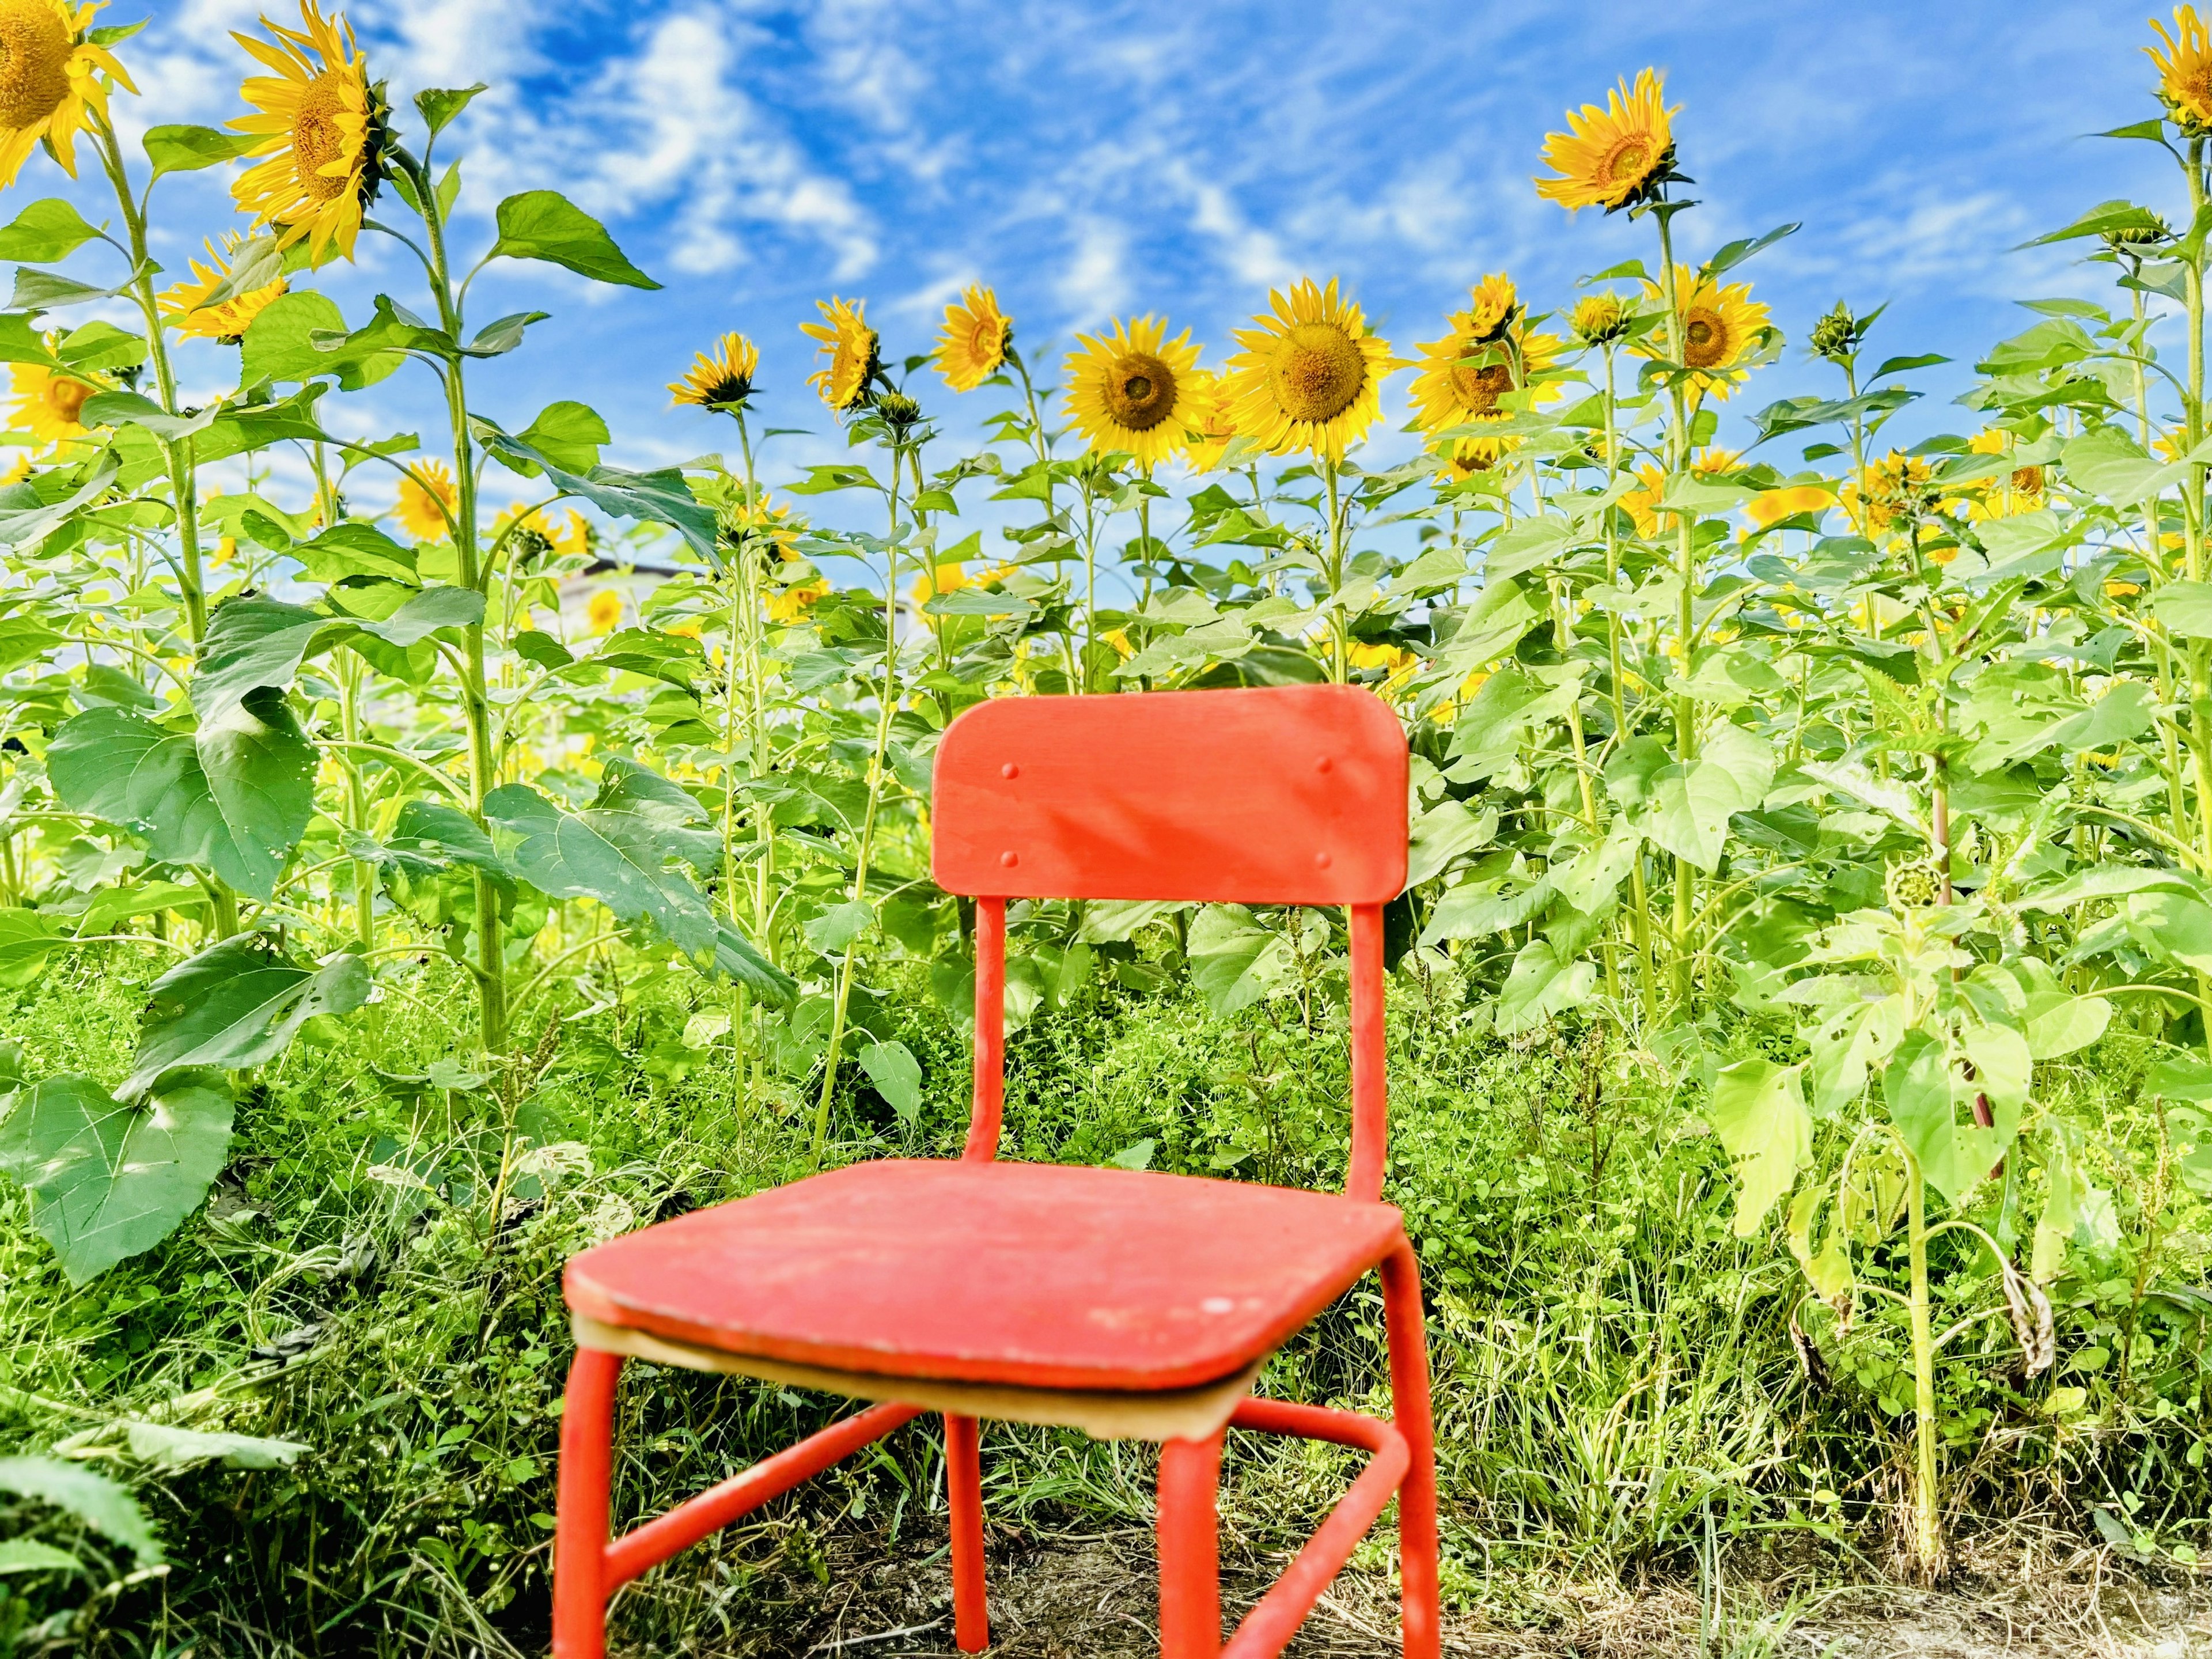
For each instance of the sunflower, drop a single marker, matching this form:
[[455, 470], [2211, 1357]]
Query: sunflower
[[2022, 490], [975, 338], [1464, 376], [2185, 71], [50, 77], [1311, 375], [789, 603], [1718, 326], [226, 320], [770, 521], [321, 128], [426, 497], [1898, 485], [1599, 319], [1643, 504], [1772, 506], [1613, 157], [532, 534], [1134, 389], [853, 349], [18, 470], [1493, 301], [1206, 446], [723, 380], [604, 612], [1397, 665], [49, 403]]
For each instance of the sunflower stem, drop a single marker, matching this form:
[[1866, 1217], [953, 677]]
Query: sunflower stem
[[1686, 707], [1339, 654]]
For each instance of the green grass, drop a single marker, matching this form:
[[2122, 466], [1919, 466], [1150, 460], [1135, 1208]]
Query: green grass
[[1616, 1384]]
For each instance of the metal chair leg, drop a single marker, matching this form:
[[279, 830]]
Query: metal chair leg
[[963, 1494], [580, 1537], [1190, 1549], [1416, 1496]]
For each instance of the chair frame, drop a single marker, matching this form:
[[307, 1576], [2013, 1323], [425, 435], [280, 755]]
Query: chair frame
[[973, 814]]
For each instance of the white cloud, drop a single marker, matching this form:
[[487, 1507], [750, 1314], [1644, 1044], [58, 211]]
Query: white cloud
[[1094, 282]]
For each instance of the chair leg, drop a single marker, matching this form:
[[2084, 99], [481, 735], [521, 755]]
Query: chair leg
[[1190, 1549], [964, 1495], [580, 1537], [1416, 1496]]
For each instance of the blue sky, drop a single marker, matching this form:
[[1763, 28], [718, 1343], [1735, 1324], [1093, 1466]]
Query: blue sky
[[1097, 159]]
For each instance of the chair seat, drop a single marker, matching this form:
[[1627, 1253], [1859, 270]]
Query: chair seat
[[1034, 1275]]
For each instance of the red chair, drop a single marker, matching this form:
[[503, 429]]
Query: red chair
[[1130, 1304]]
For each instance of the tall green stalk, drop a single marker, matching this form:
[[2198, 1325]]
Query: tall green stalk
[[1686, 705]]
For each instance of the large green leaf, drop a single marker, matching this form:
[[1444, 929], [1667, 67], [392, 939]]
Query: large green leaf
[[2176, 926], [1541, 986], [1759, 1112], [544, 224], [45, 231], [27, 939], [109, 1180], [253, 642], [188, 149], [1931, 1100], [1688, 808], [101, 1503], [280, 346], [238, 1003], [629, 850], [118, 766], [659, 497], [1234, 960]]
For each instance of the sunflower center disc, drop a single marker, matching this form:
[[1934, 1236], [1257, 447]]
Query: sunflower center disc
[[1140, 391], [34, 50], [1705, 340], [1318, 373], [1627, 163], [1479, 389], [316, 138], [67, 397]]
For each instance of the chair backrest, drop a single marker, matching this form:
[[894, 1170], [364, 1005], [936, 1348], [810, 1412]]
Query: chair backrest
[[1284, 795]]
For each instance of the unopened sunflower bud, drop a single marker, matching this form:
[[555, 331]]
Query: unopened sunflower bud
[[1837, 335], [1600, 319]]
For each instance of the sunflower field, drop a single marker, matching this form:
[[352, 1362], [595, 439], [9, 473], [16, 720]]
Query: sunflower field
[[1801, 1004]]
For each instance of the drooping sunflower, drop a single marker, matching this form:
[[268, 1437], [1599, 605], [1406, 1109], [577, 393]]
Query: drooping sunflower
[[1463, 376], [1311, 375], [975, 341], [1493, 302], [2185, 71], [48, 402], [1134, 389], [424, 489], [322, 133], [185, 304], [853, 349], [722, 378], [50, 76], [1718, 326], [1613, 157], [1207, 446]]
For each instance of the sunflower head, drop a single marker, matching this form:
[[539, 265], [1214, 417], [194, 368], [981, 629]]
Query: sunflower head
[[1897, 486], [756, 522], [187, 304], [853, 350], [789, 603], [2185, 71], [1600, 319], [49, 403], [1717, 327], [322, 131], [532, 534], [1311, 374], [604, 612], [1493, 303], [722, 378], [53, 79], [1620, 157], [1838, 334], [975, 341], [1206, 448], [1464, 378], [1131, 388], [426, 497]]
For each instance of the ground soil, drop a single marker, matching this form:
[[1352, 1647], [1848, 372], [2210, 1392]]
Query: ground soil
[[1091, 1595]]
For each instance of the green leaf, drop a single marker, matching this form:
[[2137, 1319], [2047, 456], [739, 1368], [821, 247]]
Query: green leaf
[[107, 1179], [238, 1003], [27, 939], [28, 1555], [49, 290], [1441, 834], [2177, 926], [279, 345], [120, 905], [25, 519], [2107, 216], [96, 345], [502, 334], [659, 497], [1931, 1100], [169, 1448], [253, 642], [1759, 1112], [133, 409], [21, 342], [898, 1077], [1688, 808], [542, 649], [118, 766], [1734, 253], [1234, 960], [188, 149], [542, 224], [355, 550], [2061, 1213], [44, 232], [620, 855], [2186, 608], [101, 1503], [2059, 1025], [568, 434], [1828, 1269], [1541, 986], [839, 925], [439, 105]]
